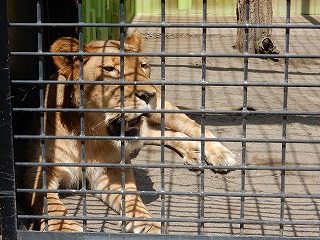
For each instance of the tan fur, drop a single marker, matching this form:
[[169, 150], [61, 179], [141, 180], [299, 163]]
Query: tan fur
[[141, 97]]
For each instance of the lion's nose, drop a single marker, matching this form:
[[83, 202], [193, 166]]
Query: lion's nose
[[145, 96]]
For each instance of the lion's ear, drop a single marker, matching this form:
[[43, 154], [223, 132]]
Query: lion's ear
[[136, 40], [65, 44]]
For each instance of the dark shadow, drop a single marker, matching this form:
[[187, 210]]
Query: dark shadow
[[144, 183], [23, 224], [311, 19], [54, 13], [227, 120], [221, 69]]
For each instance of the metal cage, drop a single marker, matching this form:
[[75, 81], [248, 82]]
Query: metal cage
[[273, 191]]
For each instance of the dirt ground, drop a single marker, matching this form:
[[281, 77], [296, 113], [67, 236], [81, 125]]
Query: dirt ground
[[264, 210]]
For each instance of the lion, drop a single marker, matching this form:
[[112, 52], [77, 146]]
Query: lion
[[121, 110]]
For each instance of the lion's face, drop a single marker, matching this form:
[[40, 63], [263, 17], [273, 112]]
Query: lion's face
[[109, 96]]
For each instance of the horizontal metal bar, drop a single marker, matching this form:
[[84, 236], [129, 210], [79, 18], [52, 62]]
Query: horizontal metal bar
[[197, 112], [167, 166], [169, 83], [169, 193], [31, 235], [6, 193], [182, 219], [192, 112], [167, 25], [247, 140], [168, 55]]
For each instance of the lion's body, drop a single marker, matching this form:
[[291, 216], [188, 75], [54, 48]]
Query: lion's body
[[106, 97]]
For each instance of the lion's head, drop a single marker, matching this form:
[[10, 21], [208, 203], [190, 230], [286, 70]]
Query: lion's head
[[103, 95]]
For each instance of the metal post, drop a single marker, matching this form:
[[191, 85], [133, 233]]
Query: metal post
[[7, 173], [163, 95]]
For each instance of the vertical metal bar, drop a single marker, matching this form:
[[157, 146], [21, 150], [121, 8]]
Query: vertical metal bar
[[42, 118], [284, 118], [123, 160], [7, 173], [163, 88], [203, 121], [244, 119], [82, 121]]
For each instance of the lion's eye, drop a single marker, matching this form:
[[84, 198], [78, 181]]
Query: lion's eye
[[108, 68], [144, 65]]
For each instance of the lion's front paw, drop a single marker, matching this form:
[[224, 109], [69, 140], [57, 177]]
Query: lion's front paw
[[143, 227], [192, 158], [215, 154], [219, 155]]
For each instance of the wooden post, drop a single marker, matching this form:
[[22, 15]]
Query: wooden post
[[260, 39]]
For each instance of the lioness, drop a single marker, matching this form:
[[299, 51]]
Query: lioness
[[106, 97]]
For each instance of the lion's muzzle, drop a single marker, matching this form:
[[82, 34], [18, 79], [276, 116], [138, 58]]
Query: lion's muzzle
[[130, 128], [146, 96]]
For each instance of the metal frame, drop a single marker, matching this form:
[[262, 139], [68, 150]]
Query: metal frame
[[7, 173]]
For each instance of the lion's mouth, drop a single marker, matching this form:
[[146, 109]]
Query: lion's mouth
[[131, 128]]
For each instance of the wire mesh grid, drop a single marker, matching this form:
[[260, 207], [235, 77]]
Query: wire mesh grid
[[272, 191]]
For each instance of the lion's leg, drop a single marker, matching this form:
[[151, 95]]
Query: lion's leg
[[216, 154], [55, 208], [48, 203], [189, 150], [110, 179]]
